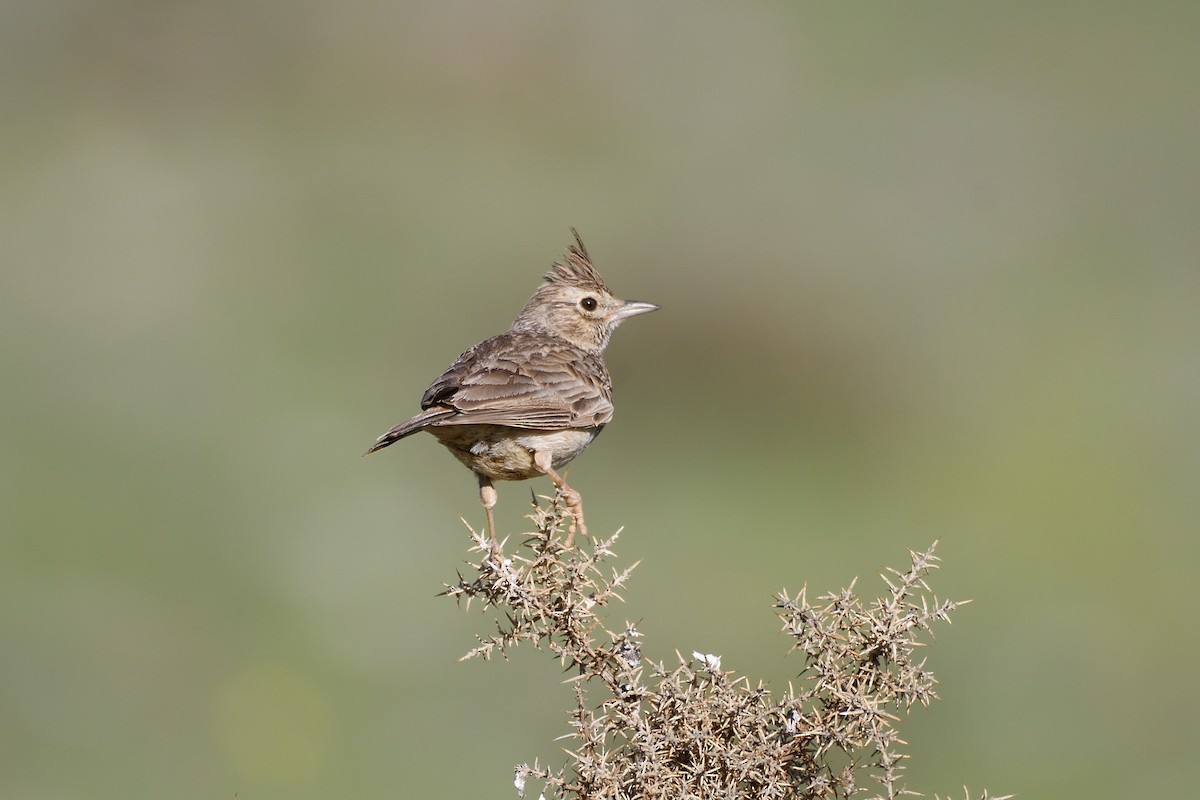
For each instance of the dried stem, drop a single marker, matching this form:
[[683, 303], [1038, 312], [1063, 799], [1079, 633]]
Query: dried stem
[[641, 729]]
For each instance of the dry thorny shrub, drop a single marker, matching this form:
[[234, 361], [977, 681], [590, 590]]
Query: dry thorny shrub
[[641, 729]]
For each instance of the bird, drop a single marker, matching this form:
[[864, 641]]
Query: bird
[[525, 403]]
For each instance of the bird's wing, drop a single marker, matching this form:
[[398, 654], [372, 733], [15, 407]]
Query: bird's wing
[[523, 381]]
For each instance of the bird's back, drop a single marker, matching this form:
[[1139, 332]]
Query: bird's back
[[524, 379], [519, 379]]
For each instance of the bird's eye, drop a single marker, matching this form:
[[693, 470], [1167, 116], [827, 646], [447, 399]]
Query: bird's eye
[[588, 303]]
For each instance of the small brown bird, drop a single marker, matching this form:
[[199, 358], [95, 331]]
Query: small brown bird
[[526, 402]]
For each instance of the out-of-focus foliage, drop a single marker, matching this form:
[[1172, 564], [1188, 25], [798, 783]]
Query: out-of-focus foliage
[[927, 271]]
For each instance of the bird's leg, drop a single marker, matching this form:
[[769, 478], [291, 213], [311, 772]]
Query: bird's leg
[[541, 459], [487, 495]]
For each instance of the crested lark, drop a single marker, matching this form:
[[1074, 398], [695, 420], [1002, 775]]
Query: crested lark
[[526, 402]]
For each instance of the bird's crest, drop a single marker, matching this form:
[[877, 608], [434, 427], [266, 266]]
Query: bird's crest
[[577, 270]]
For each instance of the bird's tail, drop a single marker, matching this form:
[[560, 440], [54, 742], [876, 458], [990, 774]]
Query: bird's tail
[[418, 423]]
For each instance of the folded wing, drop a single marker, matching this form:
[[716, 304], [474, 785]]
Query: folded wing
[[523, 382], [519, 381]]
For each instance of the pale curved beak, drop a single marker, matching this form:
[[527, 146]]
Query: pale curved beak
[[631, 308]]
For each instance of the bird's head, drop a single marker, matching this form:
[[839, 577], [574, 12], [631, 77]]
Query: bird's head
[[575, 304]]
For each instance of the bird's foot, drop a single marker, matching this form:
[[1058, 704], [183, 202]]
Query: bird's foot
[[574, 504], [570, 497], [487, 494]]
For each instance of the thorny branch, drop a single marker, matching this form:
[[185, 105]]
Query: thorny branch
[[641, 729]]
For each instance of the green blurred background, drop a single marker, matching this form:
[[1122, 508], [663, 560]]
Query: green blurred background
[[927, 271]]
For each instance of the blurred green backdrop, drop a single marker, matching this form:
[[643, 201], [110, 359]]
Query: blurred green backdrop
[[927, 270]]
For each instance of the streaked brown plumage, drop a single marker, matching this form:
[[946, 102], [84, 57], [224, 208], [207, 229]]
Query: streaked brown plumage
[[526, 402]]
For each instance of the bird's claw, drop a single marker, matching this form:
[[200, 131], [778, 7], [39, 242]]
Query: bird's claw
[[574, 504]]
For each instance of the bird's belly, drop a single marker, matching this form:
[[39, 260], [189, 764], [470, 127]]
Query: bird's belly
[[506, 454]]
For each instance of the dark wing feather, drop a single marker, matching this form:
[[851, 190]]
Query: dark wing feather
[[523, 381], [418, 423]]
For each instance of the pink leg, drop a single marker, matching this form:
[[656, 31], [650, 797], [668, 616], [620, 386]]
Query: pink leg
[[487, 495], [541, 460]]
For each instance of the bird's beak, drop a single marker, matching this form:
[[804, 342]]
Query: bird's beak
[[631, 308]]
